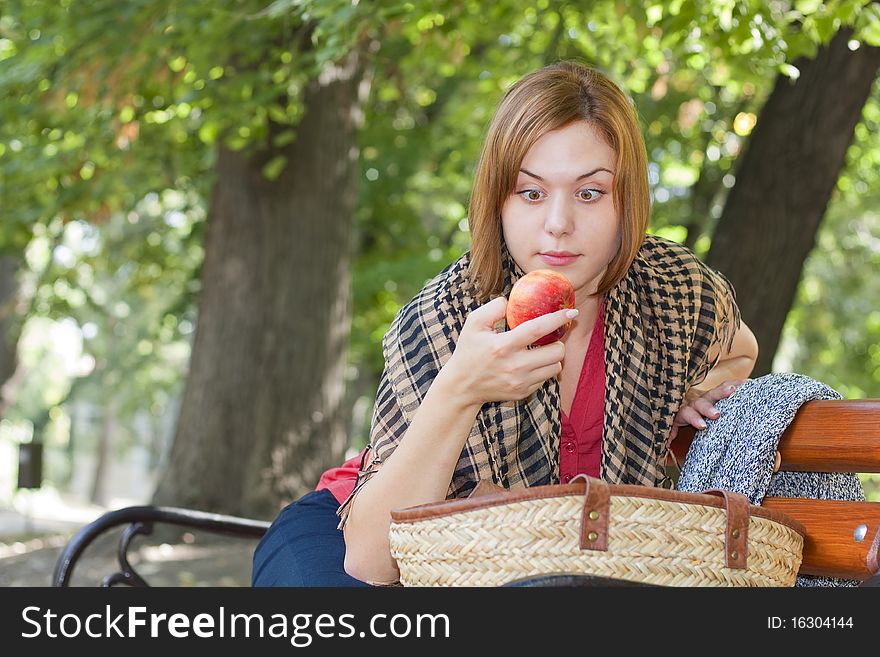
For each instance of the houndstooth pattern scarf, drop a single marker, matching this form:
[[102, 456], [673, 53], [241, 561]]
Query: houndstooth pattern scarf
[[661, 322]]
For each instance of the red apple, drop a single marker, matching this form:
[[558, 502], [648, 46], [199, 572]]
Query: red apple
[[537, 293]]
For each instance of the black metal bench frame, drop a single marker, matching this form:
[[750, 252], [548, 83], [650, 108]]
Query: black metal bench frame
[[140, 521]]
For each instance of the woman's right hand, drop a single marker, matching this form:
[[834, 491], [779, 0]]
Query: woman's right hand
[[487, 366]]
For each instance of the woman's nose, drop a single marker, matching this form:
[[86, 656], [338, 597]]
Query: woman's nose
[[558, 220]]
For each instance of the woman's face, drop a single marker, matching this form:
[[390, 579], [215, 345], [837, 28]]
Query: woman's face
[[561, 214]]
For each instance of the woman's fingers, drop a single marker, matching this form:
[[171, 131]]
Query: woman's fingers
[[705, 407], [688, 415], [694, 411], [723, 391], [547, 372], [500, 366], [488, 314], [548, 354], [535, 329]]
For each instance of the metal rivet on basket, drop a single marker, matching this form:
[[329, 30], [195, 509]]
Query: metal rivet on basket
[[735, 534], [860, 533], [594, 515], [734, 555], [592, 536]]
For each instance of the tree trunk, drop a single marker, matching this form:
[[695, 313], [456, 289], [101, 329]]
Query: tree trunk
[[106, 443], [264, 410], [784, 182], [10, 326]]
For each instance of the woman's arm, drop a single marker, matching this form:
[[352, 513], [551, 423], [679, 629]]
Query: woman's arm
[[735, 364], [417, 472], [731, 370], [485, 366]]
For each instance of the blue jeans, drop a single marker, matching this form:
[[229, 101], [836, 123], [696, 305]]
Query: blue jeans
[[303, 547]]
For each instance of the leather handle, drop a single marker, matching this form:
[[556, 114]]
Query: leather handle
[[485, 487], [736, 534], [595, 514]]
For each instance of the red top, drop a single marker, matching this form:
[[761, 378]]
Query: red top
[[580, 444], [341, 480]]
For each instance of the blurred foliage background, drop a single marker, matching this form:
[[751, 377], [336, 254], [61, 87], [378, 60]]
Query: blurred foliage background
[[112, 113]]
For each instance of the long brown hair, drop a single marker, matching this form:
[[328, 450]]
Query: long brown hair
[[545, 100]]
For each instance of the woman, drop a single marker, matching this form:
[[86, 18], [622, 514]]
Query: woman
[[561, 184], [655, 337]]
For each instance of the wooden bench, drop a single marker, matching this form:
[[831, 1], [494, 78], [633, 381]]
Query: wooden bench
[[842, 540]]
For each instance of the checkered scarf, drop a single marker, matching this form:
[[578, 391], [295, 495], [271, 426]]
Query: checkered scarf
[[661, 322]]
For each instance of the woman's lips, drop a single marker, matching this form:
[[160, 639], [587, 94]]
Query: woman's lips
[[557, 260]]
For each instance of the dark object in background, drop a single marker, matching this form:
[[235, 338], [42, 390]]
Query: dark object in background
[[572, 579], [30, 465]]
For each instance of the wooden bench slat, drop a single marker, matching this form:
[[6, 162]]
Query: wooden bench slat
[[830, 546], [825, 436]]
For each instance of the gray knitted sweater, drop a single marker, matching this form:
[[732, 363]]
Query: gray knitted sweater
[[737, 451]]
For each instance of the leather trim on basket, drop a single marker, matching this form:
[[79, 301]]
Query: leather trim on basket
[[485, 487], [736, 534], [489, 499], [595, 515]]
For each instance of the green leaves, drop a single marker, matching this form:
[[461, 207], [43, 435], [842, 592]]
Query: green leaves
[[106, 104]]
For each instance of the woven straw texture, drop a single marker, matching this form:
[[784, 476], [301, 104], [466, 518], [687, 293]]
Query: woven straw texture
[[649, 540]]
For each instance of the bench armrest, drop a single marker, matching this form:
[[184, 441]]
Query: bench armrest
[[141, 520]]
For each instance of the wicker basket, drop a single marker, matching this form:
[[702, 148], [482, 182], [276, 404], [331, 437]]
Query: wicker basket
[[648, 535]]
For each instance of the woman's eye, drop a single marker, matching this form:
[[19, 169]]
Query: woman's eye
[[590, 194], [530, 194]]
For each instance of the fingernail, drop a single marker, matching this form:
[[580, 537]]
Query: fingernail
[[571, 314], [703, 425], [715, 412]]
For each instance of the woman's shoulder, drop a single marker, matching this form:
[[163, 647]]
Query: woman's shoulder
[[673, 269], [656, 249], [453, 274], [668, 260], [432, 295]]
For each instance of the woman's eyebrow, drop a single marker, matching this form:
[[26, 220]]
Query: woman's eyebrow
[[580, 177]]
